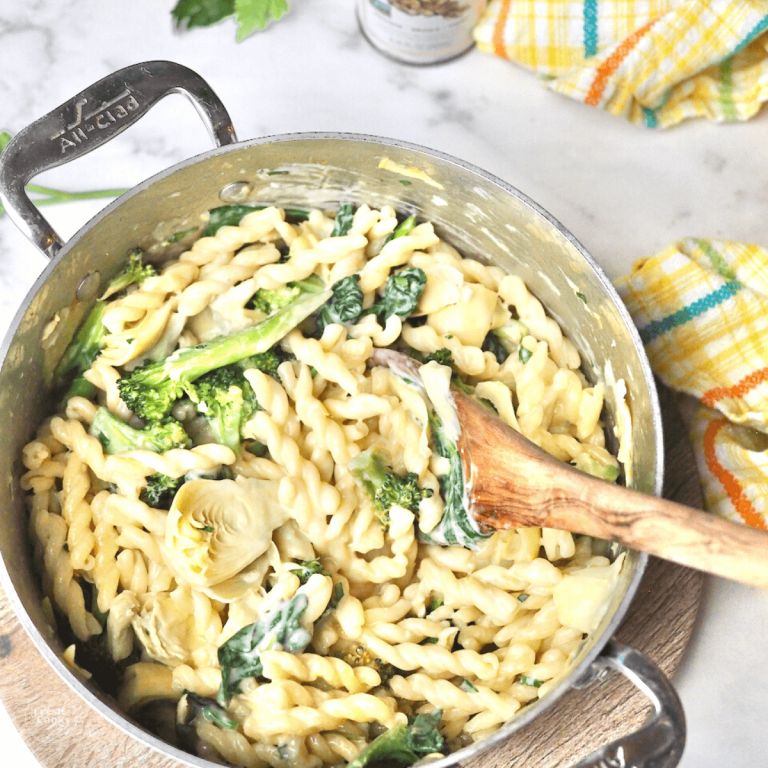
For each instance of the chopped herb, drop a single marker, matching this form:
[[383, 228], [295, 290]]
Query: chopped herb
[[467, 686], [430, 640], [525, 355], [405, 182], [208, 528], [582, 297], [532, 681], [522, 597]]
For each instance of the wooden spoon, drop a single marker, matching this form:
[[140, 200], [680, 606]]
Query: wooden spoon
[[512, 483]]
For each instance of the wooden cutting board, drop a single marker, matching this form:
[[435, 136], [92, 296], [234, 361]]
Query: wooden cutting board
[[64, 732]]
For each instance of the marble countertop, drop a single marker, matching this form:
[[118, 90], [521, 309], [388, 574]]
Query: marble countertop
[[623, 191]]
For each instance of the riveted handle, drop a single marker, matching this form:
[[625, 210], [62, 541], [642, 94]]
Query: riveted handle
[[90, 119], [659, 743]]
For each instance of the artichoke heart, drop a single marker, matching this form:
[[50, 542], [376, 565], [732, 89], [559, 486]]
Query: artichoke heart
[[216, 528]]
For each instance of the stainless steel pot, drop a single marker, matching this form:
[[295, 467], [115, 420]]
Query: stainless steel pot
[[479, 214]]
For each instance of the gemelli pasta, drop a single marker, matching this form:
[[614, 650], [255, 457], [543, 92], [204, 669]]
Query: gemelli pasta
[[237, 510]]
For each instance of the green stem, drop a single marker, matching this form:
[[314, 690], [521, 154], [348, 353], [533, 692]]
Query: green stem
[[56, 196]]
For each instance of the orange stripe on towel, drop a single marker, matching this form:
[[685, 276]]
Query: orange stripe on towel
[[741, 503], [498, 30], [611, 64], [737, 390]]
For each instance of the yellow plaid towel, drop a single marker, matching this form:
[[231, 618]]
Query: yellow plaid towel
[[702, 310], [657, 62]]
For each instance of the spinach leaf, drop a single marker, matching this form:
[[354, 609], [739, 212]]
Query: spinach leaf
[[492, 344], [345, 306], [401, 293], [231, 216], [344, 217], [404, 744], [277, 630], [456, 526], [199, 706]]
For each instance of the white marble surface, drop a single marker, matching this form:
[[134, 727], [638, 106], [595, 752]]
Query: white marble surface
[[623, 191]]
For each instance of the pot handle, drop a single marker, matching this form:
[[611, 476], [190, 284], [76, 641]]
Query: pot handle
[[659, 743], [88, 120]]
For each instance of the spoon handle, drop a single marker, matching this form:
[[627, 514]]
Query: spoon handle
[[666, 529], [513, 483]]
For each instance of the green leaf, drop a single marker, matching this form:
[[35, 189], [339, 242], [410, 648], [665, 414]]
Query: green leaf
[[344, 217], [401, 293], [202, 13], [532, 681], [492, 344], [278, 630], [345, 306], [456, 526], [231, 216], [256, 14], [525, 354]]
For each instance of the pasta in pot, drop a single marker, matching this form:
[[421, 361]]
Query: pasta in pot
[[301, 576]]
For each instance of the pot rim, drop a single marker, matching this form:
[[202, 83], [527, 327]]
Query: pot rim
[[99, 703]]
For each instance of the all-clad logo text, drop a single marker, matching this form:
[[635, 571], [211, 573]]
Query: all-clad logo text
[[107, 113]]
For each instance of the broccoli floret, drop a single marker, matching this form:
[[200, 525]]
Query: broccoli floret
[[226, 399], [385, 487], [135, 272], [160, 490], [269, 301], [158, 436], [150, 391], [357, 655], [405, 744], [267, 362]]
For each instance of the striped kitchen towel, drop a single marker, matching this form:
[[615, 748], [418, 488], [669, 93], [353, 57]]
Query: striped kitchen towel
[[656, 62], [702, 310]]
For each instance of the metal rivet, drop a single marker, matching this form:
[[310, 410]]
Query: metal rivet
[[236, 192], [89, 286]]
